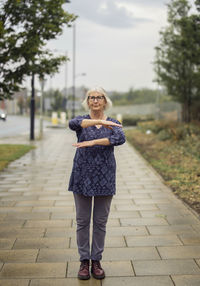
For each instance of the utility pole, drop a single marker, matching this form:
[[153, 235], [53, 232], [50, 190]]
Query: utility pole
[[74, 70], [66, 77], [32, 107], [42, 83]]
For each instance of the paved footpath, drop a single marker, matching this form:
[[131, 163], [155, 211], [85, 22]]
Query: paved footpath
[[152, 237]]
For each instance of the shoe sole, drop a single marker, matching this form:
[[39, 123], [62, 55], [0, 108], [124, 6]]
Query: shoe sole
[[98, 277], [83, 277]]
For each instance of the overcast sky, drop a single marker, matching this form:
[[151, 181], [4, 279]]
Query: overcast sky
[[115, 41]]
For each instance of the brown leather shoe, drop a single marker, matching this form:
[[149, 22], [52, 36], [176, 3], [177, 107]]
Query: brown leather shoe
[[84, 273], [96, 270]]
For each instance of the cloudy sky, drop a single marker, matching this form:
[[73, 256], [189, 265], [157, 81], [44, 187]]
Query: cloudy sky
[[115, 42]]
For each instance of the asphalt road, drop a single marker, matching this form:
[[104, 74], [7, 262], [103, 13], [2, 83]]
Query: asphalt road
[[18, 125]]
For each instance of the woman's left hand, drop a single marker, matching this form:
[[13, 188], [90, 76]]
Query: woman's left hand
[[84, 144]]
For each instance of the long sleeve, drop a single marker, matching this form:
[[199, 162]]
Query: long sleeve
[[75, 123], [117, 136]]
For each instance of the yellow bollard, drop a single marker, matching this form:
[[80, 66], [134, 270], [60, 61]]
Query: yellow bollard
[[63, 118], [119, 118], [54, 118]]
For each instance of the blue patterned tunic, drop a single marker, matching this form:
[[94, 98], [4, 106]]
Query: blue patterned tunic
[[94, 168]]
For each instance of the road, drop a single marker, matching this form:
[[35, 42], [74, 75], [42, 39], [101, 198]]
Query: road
[[18, 125]]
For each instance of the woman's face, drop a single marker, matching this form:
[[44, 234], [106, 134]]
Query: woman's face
[[96, 101]]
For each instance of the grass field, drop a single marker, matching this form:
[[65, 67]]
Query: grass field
[[11, 152], [177, 161]]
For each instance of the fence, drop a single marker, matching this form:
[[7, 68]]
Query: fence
[[166, 110]]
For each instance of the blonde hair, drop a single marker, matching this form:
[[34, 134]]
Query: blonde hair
[[102, 92]]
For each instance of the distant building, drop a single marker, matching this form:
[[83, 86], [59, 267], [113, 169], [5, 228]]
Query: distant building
[[12, 105]]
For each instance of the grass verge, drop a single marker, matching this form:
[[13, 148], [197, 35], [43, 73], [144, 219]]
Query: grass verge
[[178, 162], [11, 152]]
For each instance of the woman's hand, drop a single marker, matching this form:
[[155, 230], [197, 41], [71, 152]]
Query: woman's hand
[[101, 141], [84, 144], [91, 122], [108, 124]]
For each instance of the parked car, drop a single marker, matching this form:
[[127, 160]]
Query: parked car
[[3, 114]]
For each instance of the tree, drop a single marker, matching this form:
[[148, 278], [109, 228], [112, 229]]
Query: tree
[[177, 61], [25, 28], [57, 105]]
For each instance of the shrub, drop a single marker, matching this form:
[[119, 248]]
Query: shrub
[[164, 134], [154, 126], [169, 129], [130, 120]]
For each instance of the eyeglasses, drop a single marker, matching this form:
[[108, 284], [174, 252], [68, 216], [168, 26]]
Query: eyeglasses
[[98, 98]]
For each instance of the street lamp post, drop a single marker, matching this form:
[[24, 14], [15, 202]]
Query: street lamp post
[[66, 77], [74, 71], [42, 83], [32, 108], [74, 68]]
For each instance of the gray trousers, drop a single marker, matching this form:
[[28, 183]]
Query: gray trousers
[[101, 209]]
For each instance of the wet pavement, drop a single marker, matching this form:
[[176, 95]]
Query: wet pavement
[[152, 237]]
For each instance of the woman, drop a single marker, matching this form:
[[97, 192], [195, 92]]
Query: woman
[[93, 175]]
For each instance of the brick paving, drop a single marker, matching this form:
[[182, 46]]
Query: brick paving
[[152, 237]]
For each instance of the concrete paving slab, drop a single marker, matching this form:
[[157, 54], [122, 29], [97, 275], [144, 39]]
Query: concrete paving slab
[[64, 215], [152, 240], [184, 220], [151, 201], [190, 239], [34, 203], [186, 280], [143, 221], [120, 197], [138, 281], [20, 198], [52, 209], [26, 216], [7, 204], [58, 255], [170, 229], [44, 242], [65, 282], [64, 203], [130, 253], [127, 230], [8, 232], [11, 224], [14, 282], [6, 243], [2, 216], [33, 270], [28, 255], [166, 267], [47, 223], [182, 252], [167, 213], [15, 209]]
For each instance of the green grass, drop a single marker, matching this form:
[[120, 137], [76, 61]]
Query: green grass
[[11, 152], [177, 161]]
